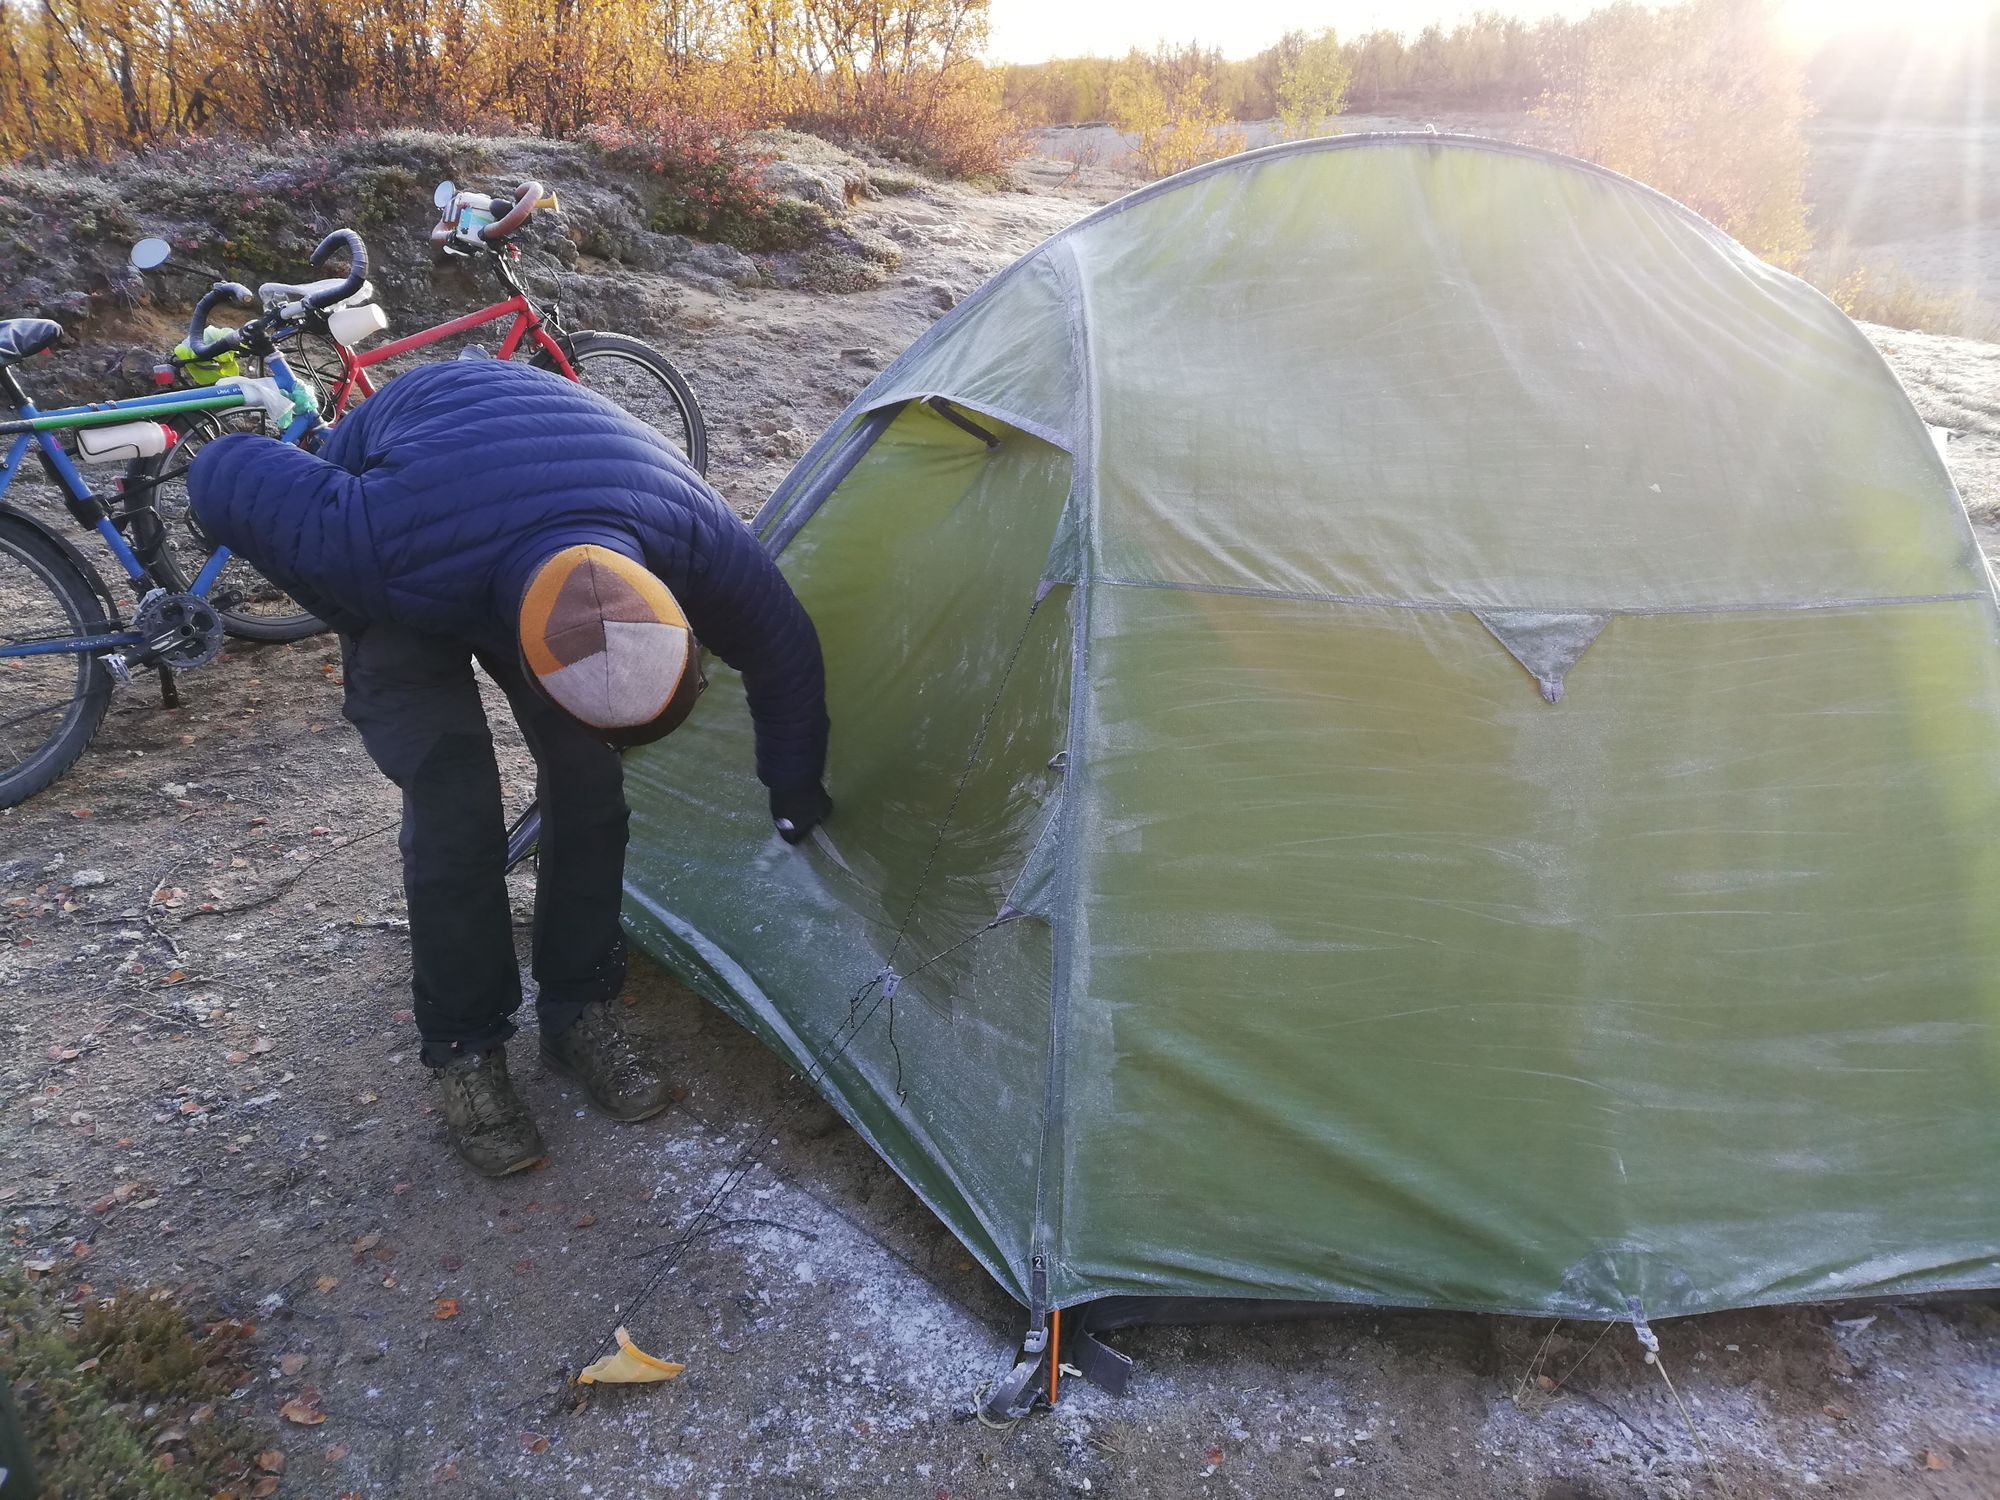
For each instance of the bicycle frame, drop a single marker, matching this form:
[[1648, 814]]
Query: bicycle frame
[[527, 325], [34, 428]]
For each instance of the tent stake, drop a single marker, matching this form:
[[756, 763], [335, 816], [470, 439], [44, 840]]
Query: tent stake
[[1055, 1353]]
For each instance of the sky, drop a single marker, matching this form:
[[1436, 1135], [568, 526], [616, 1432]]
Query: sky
[[1031, 30]]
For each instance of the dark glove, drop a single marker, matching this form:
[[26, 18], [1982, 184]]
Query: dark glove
[[798, 810]]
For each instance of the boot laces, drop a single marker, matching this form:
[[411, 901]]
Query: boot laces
[[613, 1045], [480, 1088]]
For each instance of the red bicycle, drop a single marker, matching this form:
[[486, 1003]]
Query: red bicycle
[[324, 346]]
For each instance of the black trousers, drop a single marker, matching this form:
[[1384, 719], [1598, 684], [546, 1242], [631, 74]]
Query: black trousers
[[415, 701]]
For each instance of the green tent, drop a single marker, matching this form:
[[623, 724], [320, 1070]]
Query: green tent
[[1412, 725]]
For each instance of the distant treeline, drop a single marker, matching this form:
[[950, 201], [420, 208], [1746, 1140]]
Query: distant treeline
[[1502, 63]]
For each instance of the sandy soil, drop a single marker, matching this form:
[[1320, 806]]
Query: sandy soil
[[207, 1078]]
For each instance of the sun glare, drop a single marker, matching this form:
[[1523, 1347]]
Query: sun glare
[[1938, 20]]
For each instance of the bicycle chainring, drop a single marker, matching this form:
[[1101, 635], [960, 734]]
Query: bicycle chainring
[[182, 631]]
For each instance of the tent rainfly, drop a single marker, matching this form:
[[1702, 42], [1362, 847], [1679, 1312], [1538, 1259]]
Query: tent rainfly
[[1412, 726]]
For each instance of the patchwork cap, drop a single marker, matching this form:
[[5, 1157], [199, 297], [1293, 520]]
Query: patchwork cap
[[608, 644]]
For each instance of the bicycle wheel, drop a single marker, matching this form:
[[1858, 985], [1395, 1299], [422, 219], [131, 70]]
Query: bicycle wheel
[[645, 383], [50, 706], [252, 607]]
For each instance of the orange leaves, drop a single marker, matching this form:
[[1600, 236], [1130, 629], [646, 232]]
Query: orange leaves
[[918, 79], [444, 1307], [303, 1409]]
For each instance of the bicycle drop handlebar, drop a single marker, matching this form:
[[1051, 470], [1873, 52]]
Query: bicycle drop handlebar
[[235, 291], [357, 267], [528, 197], [222, 291]]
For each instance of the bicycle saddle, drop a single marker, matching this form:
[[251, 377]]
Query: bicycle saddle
[[22, 338], [272, 292]]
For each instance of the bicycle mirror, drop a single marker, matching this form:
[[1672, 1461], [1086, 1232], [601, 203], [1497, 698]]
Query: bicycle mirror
[[151, 252], [446, 191]]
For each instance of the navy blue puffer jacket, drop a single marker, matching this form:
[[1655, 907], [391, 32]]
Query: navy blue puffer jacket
[[433, 503]]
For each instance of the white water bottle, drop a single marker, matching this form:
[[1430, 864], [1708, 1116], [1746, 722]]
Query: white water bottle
[[356, 323], [124, 442]]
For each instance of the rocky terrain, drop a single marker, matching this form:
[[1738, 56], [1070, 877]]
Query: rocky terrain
[[208, 1079]]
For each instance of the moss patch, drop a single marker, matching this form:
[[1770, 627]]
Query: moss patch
[[122, 1396]]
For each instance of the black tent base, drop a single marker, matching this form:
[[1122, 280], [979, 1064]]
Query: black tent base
[[1077, 1345], [1071, 1337]]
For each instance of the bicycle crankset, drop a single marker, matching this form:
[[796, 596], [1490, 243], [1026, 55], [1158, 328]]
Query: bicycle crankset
[[181, 631]]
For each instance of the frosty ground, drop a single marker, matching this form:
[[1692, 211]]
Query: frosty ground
[[204, 960]]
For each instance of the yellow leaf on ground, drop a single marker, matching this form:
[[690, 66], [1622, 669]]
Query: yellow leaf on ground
[[629, 1365], [303, 1413]]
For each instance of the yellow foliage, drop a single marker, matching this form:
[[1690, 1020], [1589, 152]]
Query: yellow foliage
[[87, 77], [1165, 100], [1706, 102], [1312, 83]]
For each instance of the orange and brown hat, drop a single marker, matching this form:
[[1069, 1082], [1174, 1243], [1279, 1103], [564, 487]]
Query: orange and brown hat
[[608, 644]]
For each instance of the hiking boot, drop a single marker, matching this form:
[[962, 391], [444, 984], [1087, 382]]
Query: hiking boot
[[597, 1052], [488, 1124]]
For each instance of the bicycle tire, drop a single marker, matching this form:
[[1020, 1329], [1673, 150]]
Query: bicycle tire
[[30, 562], [251, 606], [668, 405]]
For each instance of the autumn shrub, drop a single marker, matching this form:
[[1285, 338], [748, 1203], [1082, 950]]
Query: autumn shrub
[[1705, 101], [1313, 76], [93, 77], [1165, 101], [1876, 293], [706, 181], [947, 120]]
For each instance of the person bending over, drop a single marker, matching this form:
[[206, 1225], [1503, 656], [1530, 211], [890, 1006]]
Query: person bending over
[[491, 511]]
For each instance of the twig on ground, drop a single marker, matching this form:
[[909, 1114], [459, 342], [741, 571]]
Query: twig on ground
[[1624, 1421], [178, 1023], [284, 885], [150, 912], [1581, 1358], [1521, 1390]]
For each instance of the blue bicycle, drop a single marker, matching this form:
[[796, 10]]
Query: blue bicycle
[[64, 640]]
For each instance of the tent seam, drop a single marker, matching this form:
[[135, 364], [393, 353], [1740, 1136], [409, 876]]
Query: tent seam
[[1065, 908], [1459, 607]]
